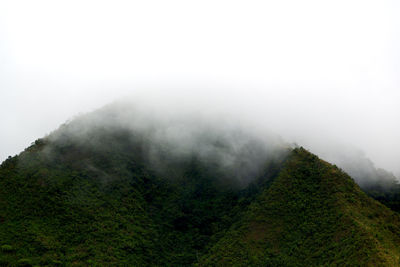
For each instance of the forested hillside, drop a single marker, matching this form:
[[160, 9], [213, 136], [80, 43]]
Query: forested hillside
[[313, 214], [100, 197], [117, 194]]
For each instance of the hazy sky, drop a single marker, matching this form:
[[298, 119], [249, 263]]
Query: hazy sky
[[317, 72]]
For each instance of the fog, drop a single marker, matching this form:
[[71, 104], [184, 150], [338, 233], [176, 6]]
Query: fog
[[320, 74], [168, 141]]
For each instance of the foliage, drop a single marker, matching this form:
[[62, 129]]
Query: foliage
[[7, 248], [386, 191], [99, 201], [72, 202], [313, 214]]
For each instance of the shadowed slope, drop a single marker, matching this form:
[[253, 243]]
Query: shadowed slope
[[114, 188], [108, 195]]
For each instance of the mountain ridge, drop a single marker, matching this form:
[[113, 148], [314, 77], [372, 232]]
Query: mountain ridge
[[258, 229], [108, 194]]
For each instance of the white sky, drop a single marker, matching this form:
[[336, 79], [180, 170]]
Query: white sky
[[315, 71]]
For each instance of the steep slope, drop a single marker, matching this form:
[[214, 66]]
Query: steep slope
[[376, 182], [313, 214], [385, 188], [114, 188], [106, 195]]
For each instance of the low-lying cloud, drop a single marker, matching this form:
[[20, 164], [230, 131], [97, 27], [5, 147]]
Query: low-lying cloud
[[323, 75]]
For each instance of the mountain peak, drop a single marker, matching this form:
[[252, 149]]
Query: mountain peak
[[312, 214], [106, 194]]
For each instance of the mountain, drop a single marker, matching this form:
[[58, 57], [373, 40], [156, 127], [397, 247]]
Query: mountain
[[376, 182], [115, 188], [313, 214]]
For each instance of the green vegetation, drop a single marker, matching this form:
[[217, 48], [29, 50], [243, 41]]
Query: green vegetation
[[65, 201], [99, 200], [313, 214], [7, 248], [386, 191], [377, 183]]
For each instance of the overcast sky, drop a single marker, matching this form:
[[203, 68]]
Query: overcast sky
[[317, 72]]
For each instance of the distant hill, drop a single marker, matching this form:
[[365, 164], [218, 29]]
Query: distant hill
[[113, 188]]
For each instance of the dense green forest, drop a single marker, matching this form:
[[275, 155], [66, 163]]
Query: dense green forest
[[100, 198], [313, 214], [386, 190], [95, 194]]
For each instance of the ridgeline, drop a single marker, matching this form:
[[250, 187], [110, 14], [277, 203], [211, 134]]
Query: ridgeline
[[73, 202]]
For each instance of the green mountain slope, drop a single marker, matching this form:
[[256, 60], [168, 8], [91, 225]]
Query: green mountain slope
[[313, 214], [101, 200], [105, 191]]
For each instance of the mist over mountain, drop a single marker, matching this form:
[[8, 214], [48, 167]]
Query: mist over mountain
[[242, 133], [131, 185], [237, 152], [291, 66], [327, 125], [183, 130]]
